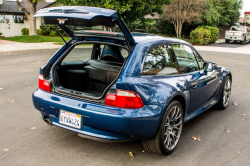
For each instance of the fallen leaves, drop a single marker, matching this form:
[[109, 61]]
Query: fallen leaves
[[83, 153], [235, 103], [131, 154], [196, 138], [33, 128]]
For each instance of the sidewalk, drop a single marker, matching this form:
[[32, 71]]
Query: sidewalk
[[7, 46]]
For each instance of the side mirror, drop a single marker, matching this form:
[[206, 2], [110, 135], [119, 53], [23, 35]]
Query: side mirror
[[208, 67]]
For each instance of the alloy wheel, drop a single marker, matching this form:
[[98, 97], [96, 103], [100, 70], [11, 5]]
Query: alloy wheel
[[227, 92], [173, 128]]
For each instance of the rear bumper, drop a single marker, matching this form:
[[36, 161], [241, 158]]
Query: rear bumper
[[101, 121], [234, 38]]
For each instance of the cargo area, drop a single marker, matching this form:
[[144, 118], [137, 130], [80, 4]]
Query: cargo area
[[89, 69]]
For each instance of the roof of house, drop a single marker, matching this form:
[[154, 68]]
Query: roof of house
[[11, 6]]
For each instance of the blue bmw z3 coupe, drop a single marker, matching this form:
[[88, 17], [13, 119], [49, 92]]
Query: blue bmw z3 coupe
[[110, 84]]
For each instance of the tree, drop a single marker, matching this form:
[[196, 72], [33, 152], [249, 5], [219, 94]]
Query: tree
[[181, 11], [222, 12], [32, 10], [130, 10]]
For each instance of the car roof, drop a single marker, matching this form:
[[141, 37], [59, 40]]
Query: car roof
[[144, 37]]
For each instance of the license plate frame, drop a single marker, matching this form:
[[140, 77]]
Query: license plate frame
[[70, 119]]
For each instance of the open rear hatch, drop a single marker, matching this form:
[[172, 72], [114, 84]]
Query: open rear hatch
[[92, 64], [78, 16]]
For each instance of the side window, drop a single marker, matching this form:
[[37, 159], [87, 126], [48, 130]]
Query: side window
[[185, 58], [199, 60], [160, 61]]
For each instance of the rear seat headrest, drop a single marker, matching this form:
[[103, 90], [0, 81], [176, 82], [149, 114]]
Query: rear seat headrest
[[112, 50]]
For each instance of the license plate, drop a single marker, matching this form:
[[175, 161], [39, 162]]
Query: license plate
[[70, 119]]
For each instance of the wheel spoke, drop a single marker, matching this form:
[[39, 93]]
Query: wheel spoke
[[176, 114], [173, 114], [177, 117], [175, 125], [176, 128]]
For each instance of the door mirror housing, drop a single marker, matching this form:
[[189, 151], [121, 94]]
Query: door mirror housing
[[208, 67]]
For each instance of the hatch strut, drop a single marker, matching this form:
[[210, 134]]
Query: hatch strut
[[60, 35]]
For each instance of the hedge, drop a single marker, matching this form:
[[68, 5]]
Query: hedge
[[200, 36], [214, 33], [25, 31], [53, 33], [40, 31]]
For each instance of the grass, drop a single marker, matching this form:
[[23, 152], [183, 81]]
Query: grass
[[35, 39]]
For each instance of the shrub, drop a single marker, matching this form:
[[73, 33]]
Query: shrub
[[1, 33], [25, 31], [53, 33], [214, 33], [40, 31], [200, 36]]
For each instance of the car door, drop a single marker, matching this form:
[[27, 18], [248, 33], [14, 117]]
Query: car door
[[202, 85]]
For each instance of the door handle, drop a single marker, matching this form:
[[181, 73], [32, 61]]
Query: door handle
[[194, 84]]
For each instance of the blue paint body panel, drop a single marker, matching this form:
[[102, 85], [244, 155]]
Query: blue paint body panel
[[156, 92]]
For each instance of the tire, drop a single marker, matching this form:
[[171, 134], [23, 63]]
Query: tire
[[225, 94], [169, 132], [226, 41], [243, 42]]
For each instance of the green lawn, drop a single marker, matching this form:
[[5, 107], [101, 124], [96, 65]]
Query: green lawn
[[35, 39]]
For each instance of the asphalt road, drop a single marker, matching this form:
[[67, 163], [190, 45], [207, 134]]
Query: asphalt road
[[26, 140]]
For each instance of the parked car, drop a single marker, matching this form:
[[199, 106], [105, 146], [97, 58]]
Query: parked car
[[119, 86], [238, 33]]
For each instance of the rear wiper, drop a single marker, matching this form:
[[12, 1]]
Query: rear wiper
[[60, 35]]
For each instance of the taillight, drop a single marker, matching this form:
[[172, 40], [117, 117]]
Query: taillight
[[124, 99], [43, 84]]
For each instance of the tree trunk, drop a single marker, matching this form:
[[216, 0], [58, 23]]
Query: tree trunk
[[31, 19], [33, 26], [180, 28]]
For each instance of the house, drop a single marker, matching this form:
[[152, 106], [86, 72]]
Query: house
[[12, 20]]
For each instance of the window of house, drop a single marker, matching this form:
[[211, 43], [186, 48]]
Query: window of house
[[18, 18], [1, 18], [160, 60], [186, 58]]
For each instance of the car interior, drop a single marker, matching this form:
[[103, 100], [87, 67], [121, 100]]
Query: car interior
[[89, 73]]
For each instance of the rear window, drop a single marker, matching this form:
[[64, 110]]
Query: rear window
[[238, 29], [82, 52]]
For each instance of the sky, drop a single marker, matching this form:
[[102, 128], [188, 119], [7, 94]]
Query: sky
[[246, 7]]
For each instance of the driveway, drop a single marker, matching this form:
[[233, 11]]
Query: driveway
[[26, 140]]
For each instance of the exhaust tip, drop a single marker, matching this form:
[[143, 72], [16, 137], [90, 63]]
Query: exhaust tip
[[48, 121]]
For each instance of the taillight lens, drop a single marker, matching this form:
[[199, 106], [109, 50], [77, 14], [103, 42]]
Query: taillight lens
[[124, 99], [43, 84]]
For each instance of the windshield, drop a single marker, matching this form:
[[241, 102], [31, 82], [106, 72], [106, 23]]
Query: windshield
[[242, 29]]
